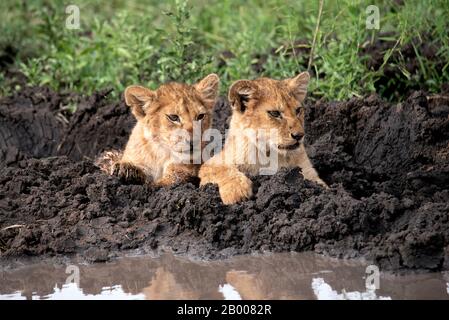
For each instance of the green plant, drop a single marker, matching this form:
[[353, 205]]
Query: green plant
[[149, 42], [181, 59]]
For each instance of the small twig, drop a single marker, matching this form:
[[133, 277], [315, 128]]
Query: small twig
[[317, 28], [13, 226]]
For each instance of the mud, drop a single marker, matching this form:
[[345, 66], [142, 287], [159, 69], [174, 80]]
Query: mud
[[388, 166]]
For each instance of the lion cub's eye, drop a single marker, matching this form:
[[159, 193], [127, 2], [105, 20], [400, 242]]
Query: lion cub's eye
[[274, 114], [200, 116], [173, 117]]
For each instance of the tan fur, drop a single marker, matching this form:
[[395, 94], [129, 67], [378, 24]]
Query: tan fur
[[148, 151], [251, 101]]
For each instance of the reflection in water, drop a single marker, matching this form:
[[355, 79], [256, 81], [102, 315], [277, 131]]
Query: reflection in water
[[272, 276], [229, 292], [71, 291], [323, 291], [12, 296]]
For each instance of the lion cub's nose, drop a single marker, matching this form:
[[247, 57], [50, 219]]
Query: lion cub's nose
[[297, 136]]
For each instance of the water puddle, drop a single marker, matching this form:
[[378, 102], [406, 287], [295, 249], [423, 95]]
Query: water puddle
[[273, 276]]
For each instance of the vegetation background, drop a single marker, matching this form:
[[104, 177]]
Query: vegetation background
[[123, 42]]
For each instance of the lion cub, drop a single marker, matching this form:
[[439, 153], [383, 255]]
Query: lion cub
[[261, 104], [162, 115]]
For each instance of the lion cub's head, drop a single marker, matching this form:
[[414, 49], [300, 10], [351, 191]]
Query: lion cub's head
[[271, 104], [174, 108]]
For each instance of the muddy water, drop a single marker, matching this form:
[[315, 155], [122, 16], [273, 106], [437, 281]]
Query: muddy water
[[273, 276]]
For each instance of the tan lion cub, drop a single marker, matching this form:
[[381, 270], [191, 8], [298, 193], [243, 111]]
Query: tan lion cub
[[160, 115], [261, 104]]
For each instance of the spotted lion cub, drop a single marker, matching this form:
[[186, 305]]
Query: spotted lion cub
[[161, 115], [260, 104]]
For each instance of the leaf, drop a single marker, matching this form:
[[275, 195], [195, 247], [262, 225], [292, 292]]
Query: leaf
[[124, 53]]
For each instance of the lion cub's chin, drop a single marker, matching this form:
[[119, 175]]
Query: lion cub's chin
[[172, 109], [289, 147]]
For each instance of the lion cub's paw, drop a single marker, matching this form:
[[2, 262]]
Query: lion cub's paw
[[323, 184], [236, 189], [171, 180], [166, 181], [128, 172], [318, 180], [107, 160]]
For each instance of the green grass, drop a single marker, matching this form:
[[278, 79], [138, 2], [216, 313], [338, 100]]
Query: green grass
[[124, 42]]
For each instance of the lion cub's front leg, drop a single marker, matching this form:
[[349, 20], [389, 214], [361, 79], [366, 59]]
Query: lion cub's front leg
[[233, 185], [307, 168], [177, 173]]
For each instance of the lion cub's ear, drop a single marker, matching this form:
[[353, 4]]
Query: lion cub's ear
[[240, 93], [208, 89], [138, 98], [298, 85]]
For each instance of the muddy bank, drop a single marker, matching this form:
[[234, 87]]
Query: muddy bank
[[388, 166], [37, 123]]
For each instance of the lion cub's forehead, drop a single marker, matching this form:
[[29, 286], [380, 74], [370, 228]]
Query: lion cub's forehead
[[179, 97], [275, 93]]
